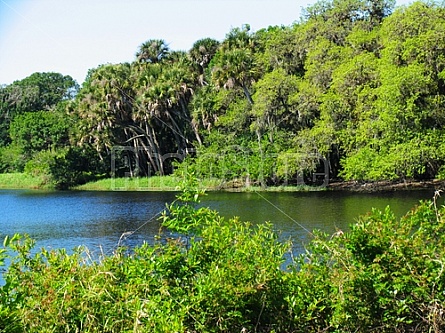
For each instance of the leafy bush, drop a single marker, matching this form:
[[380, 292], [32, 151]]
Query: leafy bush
[[12, 159], [223, 276], [384, 274], [64, 168]]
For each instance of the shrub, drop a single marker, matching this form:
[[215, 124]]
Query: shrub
[[12, 159]]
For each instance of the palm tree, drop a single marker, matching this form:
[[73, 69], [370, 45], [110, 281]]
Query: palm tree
[[234, 67], [234, 61], [202, 52], [152, 51], [105, 108]]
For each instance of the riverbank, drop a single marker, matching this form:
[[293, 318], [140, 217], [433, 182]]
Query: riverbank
[[170, 183], [387, 186]]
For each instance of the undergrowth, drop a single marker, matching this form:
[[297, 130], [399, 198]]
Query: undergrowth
[[225, 275], [24, 181]]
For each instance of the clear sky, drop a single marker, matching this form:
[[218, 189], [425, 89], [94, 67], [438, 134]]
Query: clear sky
[[72, 36]]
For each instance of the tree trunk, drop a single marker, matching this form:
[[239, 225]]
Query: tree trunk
[[247, 94]]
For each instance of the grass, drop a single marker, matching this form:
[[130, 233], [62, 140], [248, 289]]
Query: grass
[[165, 183], [170, 183], [23, 181], [154, 183]]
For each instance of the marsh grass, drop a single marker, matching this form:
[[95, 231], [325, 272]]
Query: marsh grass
[[153, 183], [164, 183], [24, 181], [171, 183]]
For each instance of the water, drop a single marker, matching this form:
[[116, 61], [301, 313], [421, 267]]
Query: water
[[70, 219], [99, 219], [295, 215]]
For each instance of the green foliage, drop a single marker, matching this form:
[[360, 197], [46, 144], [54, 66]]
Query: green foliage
[[152, 51], [419, 157], [65, 168], [74, 166], [39, 91], [40, 165], [383, 274], [203, 51], [224, 278], [37, 131], [350, 82], [12, 159]]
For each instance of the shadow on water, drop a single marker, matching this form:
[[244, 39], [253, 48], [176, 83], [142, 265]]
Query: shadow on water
[[296, 215]]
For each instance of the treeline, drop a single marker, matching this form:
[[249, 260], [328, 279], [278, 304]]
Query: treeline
[[356, 85]]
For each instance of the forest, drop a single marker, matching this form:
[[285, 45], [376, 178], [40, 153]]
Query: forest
[[354, 86]]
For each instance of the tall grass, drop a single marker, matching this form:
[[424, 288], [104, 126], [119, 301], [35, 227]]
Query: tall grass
[[153, 183], [170, 183], [24, 181], [165, 183]]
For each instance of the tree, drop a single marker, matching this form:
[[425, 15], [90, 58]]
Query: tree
[[233, 64], [152, 51], [203, 51], [282, 49], [38, 92], [104, 108], [142, 107], [396, 105], [274, 108], [40, 130], [334, 20]]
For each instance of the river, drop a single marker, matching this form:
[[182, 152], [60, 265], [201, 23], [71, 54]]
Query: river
[[99, 219]]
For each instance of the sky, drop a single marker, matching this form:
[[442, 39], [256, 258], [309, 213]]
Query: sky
[[72, 36]]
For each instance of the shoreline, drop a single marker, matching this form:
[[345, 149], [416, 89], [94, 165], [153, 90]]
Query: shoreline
[[161, 184], [386, 185]]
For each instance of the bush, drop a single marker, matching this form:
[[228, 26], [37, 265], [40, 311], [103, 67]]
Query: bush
[[12, 159], [64, 168], [384, 274], [224, 276]]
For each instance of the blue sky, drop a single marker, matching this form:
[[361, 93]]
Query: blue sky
[[70, 37]]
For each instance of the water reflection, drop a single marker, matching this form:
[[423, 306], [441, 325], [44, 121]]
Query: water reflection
[[296, 215]]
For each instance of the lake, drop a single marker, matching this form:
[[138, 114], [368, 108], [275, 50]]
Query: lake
[[99, 219]]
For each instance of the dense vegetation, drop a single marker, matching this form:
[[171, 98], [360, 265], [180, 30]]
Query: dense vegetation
[[219, 275], [354, 83]]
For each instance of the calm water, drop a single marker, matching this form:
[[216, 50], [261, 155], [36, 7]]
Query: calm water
[[98, 219]]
